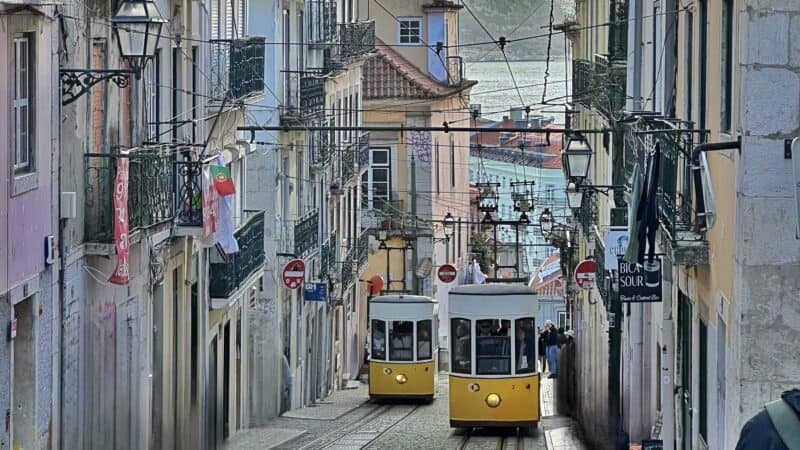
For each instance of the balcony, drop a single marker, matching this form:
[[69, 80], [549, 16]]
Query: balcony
[[363, 151], [347, 160], [321, 22], [312, 95], [455, 70], [600, 85], [236, 68], [150, 192], [327, 257], [588, 214], [600, 269], [347, 271], [306, 233], [676, 211], [189, 194], [320, 146], [362, 250], [355, 39], [228, 277]]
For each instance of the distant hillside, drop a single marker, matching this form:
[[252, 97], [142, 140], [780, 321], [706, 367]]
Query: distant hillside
[[512, 19]]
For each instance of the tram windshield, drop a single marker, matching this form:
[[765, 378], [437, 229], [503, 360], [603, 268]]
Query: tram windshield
[[525, 337], [424, 342], [401, 340], [493, 347], [461, 345], [378, 339]]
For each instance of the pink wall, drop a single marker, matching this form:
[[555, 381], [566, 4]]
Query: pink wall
[[26, 219]]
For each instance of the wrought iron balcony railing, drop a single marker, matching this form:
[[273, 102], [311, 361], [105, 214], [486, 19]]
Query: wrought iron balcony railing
[[312, 94], [347, 271], [600, 269], [348, 159], [320, 146], [588, 214], [321, 21], [327, 258], [150, 192], [354, 39], [455, 70], [237, 68], [306, 233], [600, 85], [363, 151], [189, 194], [228, 277], [362, 250]]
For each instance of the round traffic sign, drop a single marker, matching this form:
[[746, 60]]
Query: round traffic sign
[[447, 273], [584, 274], [293, 273]]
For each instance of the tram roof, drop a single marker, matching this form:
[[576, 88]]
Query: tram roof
[[402, 299], [492, 289]]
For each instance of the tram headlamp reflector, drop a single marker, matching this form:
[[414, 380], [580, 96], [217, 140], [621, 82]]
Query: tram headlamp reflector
[[493, 400], [387, 371], [401, 379]]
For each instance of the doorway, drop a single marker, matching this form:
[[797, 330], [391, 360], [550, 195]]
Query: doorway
[[214, 436], [685, 359], [23, 426], [226, 382]]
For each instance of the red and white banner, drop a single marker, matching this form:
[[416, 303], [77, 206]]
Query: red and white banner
[[210, 199], [121, 274]]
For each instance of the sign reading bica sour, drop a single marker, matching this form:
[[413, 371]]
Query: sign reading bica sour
[[640, 283]]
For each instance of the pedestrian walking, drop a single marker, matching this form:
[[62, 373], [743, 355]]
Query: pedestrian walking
[[566, 388], [561, 338], [552, 349], [775, 427], [542, 350]]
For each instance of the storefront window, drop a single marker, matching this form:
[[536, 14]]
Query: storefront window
[[525, 348], [461, 345], [493, 345], [424, 341], [378, 340], [401, 341]]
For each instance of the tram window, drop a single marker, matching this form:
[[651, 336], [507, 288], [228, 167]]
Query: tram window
[[525, 338], [461, 345], [401, 341], [378, 339], [424, 342], [494, 347]]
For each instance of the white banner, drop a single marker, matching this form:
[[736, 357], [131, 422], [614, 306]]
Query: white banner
[[615, 242]]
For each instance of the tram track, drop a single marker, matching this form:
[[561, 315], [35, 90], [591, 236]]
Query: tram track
[[471, 441], [366, 430]]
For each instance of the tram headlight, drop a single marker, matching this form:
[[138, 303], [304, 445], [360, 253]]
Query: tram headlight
[[493, 400], [400, 378]]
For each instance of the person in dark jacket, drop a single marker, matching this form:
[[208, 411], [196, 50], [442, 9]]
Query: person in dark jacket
[[542, 350], [561, 338], [551, 341], [566, 388], [759, 433]]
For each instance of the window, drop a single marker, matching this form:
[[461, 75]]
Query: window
[[461, 329], [525, 348], [726, 64], [493, 347], [702, 122], [550, 193], [195, 68], [401, 340], [378, 340], [22, 103], [176, 93], [689, 58], [376, 182], [436, 163], [562, 319], [424, 340], [410, 30]]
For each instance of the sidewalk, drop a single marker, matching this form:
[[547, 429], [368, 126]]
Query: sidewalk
[[561, 432], [274, 435]]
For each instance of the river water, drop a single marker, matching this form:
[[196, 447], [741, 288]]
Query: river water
[[496, 94]]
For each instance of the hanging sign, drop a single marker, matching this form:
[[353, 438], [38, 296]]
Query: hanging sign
[[293, 273], [640, 283], [585, 274], [317, 292], [121, 273], [447, 273], [615, 242]]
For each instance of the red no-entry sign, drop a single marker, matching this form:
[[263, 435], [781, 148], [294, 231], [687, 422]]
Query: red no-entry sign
[[447, 273], [584, 274], [293, 273]]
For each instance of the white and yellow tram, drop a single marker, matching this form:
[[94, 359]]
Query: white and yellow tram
[[494, 381], [403, 356]]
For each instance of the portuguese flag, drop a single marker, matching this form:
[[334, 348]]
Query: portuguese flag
[[222, 180]]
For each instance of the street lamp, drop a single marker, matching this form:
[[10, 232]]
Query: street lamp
[[449, 224], [576, 158], [574, 195], [137, 26], [546, 222]]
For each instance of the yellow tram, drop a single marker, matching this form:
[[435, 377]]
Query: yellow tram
[[403, 356], [494, 381]]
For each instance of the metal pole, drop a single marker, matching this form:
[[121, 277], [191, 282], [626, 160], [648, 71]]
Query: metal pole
[[413, 193]]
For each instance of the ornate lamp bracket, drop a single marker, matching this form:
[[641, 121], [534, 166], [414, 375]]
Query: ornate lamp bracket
[[76, 82]]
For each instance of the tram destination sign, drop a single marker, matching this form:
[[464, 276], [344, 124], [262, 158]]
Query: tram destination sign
[[640, 283]]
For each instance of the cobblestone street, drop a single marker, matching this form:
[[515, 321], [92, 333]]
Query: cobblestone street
[[347, 420]]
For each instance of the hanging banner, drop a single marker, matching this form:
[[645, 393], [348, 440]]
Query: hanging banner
[[210, 199], [640, 283], [121, 274], [616, 243]]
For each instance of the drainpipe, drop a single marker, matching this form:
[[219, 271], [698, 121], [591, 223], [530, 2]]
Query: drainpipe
[[697, 173]]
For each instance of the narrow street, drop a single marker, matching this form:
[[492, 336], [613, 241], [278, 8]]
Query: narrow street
[[350, 421]]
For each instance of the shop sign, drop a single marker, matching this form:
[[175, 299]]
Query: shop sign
[[616, 243], [640, 283], [317, 292]]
